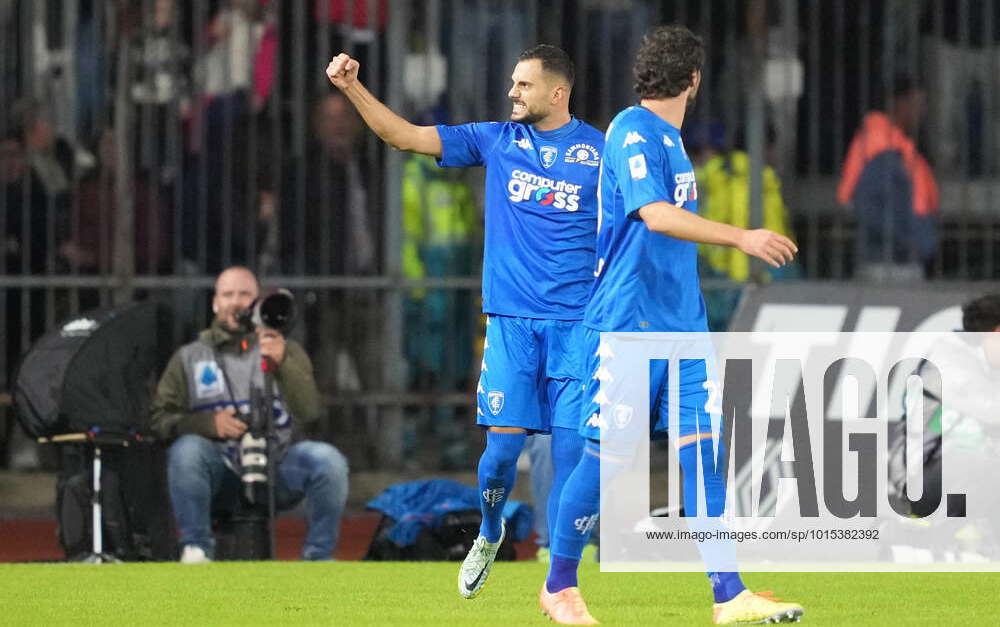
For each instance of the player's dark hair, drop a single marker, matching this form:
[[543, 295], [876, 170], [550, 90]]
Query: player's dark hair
[[981, 314], [667, 59], [554, 59]]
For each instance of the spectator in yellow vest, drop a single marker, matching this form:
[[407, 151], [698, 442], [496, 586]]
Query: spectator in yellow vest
[[724, 196]]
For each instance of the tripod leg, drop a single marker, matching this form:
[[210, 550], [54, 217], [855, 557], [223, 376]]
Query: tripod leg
[[98, 538]]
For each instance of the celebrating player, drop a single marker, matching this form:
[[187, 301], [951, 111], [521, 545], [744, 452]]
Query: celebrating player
[[647, 280], [541, 181]]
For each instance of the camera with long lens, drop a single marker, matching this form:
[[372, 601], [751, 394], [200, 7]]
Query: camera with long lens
[[253, 450], [274, 310]]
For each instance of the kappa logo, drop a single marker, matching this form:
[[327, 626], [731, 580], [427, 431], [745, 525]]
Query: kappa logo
[[603, 374], [584, 154], [601, 398], [633, 137], [495, 402], [597, 421], [492, 496], [523, 143], [548, 155]]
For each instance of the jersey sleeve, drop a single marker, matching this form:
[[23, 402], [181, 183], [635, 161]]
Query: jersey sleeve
[[641, 167], [467, 144]]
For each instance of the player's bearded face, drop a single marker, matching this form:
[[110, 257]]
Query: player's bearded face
[[530, 93], [526, 114]]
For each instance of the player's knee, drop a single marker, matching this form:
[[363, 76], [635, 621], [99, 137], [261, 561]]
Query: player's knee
[[691, 438], [514, 430], [503, 448]]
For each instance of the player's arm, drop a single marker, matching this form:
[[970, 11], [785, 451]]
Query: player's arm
[[392, 129], [668, 219]]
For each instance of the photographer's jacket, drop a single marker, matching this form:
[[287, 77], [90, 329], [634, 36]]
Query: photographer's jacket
[[195, 385]]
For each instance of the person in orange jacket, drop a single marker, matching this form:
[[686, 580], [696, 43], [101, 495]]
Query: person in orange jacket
[[892, 189]]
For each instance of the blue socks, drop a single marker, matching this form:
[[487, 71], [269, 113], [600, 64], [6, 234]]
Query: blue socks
[[725, 584], [567, 446], [497, 472], [562, 573], [715, 482], [579, 505], [580, 501]]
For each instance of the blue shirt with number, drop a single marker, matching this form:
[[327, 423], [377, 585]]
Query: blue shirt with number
[[541, 213]]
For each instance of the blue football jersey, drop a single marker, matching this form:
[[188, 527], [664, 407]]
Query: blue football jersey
[[645, 281], [541, 213]]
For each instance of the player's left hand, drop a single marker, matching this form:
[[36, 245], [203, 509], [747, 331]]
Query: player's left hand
[[775, 249], [272, 344]]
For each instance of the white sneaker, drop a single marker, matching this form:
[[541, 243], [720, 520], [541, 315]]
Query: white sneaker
[[194, 554], [478, 563]]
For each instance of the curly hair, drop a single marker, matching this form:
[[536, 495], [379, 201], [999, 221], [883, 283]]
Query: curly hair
[[981, 314], [667, 59], [553, 58]]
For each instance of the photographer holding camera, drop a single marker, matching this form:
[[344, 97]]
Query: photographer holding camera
[[207, 398]]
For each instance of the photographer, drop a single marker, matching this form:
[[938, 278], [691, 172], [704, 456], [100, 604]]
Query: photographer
[[205, 398], [970, 363]]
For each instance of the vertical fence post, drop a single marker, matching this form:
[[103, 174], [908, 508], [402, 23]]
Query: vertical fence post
[[390, 446], [123, 244], [757, 36]]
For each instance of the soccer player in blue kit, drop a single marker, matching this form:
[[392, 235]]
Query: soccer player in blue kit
[[647, 280], [541, 216]]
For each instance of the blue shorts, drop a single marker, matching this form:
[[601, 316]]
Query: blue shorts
[[530, 374], [697, 395]]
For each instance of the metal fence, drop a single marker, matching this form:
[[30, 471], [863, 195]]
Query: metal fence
[[146, 145]]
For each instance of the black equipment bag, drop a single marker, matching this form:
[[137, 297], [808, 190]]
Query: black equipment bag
[[137, 521], [75, 516], [97, 369], [448, 541]]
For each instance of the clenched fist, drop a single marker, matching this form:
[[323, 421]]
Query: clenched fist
[[342, 71]]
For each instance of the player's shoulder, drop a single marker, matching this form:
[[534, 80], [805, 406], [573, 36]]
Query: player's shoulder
[[485, 127], [510, 131], [633, 126], [634, 117], [590, 133], [495, 128], [489, 135]]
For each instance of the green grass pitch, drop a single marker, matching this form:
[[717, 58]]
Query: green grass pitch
[[364, 593]]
